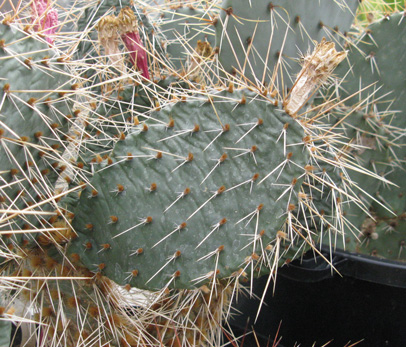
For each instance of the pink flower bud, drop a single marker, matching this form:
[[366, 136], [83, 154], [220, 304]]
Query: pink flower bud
[[44, 18], [129, 34], [137, 52]]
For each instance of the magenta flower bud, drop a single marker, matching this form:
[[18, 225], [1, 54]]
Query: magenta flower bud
[[138, 55], [129, 34], [44, 18]]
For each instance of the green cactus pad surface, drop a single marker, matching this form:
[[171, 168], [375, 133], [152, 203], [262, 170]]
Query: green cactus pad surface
[[372, 65], [381, 131], [202, 170], [5, 332], [251, 35], [183, 28], [35, 113], [394, 197], [384, 238], [389, 241]]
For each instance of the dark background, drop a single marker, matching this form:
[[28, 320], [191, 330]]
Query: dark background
[[342, 309]]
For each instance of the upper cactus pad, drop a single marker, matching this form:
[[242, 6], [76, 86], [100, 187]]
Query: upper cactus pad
[[257, 37]]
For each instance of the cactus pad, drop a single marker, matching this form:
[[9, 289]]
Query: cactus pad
[[182, 193], [35, 113], [381, 131]]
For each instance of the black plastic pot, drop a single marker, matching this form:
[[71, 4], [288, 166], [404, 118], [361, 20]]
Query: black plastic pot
[[365, 302]]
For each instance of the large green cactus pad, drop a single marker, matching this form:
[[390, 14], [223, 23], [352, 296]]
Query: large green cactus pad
[[150, 185], [252, 34]]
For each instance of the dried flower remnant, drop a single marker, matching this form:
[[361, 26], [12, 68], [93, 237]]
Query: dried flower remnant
[[128, 28], [203, 51], [44, 18], [317, 67], [108, 38]]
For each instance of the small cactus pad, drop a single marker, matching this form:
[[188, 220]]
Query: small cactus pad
[[202, 190]]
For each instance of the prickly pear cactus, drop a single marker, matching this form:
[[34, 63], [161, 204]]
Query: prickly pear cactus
[[191, 184]]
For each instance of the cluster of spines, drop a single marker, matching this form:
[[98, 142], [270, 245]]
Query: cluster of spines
[[84, 309], [259, 41], [33, 135]]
